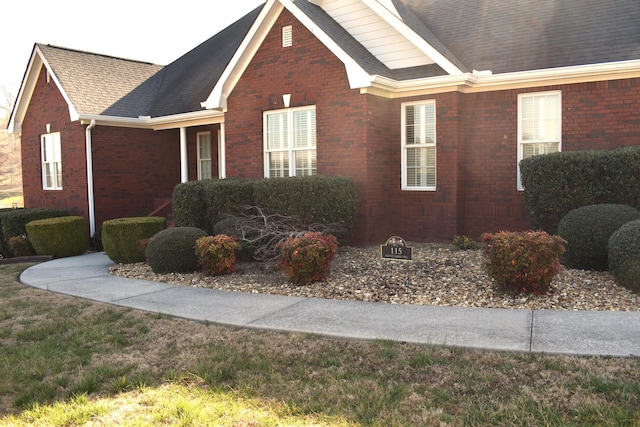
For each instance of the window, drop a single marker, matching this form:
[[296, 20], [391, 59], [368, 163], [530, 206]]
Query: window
[[419, 146], [204, 155], [51, 162], [290, 142], [539, 125]]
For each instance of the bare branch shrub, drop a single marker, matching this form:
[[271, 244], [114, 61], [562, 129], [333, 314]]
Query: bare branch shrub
[[265, 232]]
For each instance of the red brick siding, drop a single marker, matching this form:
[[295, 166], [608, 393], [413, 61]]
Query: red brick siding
[[47, 106], [132, 168]]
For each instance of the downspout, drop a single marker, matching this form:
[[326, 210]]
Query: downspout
[[92, 208]]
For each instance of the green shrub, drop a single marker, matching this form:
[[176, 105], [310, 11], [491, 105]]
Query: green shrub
[[522, 262], [217, 254], [307, 259], [59, 237], [20, 246], [587, 231], [560, 182], [464, 243], [4, 248], [189, 205], [330, 201], [14, 221], [120, 237], [173, 250], [624, 255], [228, 197]]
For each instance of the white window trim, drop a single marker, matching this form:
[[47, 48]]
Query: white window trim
[[57, 151], [521, 143], [200, 159], [404, 146], [290, 135]]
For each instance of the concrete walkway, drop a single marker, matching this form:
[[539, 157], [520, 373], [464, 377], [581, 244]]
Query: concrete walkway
[[541, 331]]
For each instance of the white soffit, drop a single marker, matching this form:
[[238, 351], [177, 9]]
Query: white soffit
[[375, 34]]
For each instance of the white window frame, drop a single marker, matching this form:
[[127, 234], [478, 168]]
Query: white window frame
[[201, 159], [51, 155], [543, 143], [290, 151], [406, 147]]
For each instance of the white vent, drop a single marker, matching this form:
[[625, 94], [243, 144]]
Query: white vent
[[287, 37]]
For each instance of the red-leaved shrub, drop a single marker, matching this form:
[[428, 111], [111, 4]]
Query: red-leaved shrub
[[217, 254], [307, 259], [523, 261]]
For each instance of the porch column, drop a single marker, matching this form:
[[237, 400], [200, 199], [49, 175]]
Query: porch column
[[222, 157], [184, 160]]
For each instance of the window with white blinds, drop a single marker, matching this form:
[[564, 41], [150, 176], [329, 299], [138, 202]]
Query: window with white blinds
[[419, 145], [290, 142], [539, 125], [51, 161], [204, 155]]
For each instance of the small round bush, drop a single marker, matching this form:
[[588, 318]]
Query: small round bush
[[624, 255], [173, 250], [587, 231]]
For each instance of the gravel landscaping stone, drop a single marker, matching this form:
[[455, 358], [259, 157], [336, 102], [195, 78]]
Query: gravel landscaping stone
[[439, 274]]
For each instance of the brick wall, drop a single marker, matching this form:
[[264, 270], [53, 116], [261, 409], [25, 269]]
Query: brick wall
[[47, 106]]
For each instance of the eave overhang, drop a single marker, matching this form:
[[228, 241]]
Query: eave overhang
[[485, 81], [198, 118]]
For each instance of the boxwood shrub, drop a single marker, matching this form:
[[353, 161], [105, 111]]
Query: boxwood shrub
[[189, 205], [14, 221], [560, 182], [173, 250], [587, 231], [59, 237], [121, 237], [624, 255]]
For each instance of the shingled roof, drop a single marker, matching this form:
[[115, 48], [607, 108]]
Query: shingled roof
[[100, 84], [499, 35]]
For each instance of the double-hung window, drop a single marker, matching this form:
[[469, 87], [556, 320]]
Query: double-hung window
[[419, 145], [290, 142], [51, 161], [539, 125], [204, 155]]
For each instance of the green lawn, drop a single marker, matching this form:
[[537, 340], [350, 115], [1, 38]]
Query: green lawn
[[66, 362]]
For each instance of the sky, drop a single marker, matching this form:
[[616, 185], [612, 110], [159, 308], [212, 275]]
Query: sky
[[145, 30]]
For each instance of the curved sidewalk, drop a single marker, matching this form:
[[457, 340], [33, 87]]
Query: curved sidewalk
[[541, 331]]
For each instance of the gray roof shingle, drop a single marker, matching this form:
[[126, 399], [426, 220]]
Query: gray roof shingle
[[497, 35]]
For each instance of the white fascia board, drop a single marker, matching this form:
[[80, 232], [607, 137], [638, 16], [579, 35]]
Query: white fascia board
[[217, 99], [485, 82], [36, 62], [358, 78], [73, 113], [176, 121], [393, 20]]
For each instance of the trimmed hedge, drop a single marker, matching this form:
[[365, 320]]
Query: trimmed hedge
[[173, 250], [587, 231], [121, 237], [14, 221], [189, 205], [557, 183], [624, 255], [331, 201], [59, 237]]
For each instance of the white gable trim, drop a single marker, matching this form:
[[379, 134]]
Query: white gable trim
[[358, 77], [30, 80], [394, 20]]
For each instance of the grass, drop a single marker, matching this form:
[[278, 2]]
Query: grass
[[66, 361]]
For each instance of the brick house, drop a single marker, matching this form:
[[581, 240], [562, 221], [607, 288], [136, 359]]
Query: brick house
[[429, 105]]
